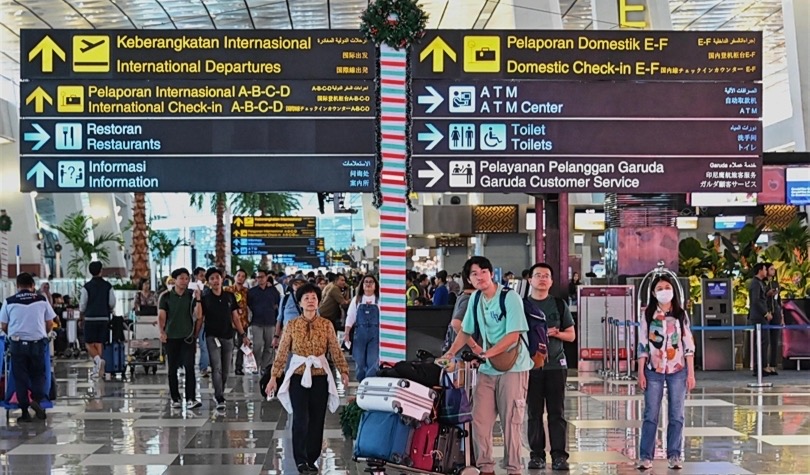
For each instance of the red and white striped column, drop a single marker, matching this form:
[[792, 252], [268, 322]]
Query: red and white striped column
[[393, 212]]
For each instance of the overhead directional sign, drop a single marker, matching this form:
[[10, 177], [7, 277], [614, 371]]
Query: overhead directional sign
[[197, 54], [589, 111], [212, 110], [590, 55], [273, 226]]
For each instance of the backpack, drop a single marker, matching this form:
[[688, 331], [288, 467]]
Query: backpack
[[537, 341]]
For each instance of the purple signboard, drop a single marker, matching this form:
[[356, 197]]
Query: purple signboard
[[568, 99], [588, 174]]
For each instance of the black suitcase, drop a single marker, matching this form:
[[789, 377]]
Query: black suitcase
[[449, 453]]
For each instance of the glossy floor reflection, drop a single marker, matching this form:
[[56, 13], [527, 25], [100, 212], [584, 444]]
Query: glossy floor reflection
[[128, 428]]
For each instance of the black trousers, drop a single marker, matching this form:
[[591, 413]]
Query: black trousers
[[180, 352], [547, 388], [28, 366], [240, 355], [309, 415]]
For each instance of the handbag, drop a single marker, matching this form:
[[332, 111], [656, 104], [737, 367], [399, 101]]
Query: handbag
[[454, 405], [506, 360]]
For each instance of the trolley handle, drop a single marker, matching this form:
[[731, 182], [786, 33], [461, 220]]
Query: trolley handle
[[469, 357]]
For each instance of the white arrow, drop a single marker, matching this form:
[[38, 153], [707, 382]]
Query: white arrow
[[434, 99], [40, 137], [434, 137], [435, 174], [40, 170]]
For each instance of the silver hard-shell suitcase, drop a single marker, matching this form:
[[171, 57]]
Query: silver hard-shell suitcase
[[396, 395]]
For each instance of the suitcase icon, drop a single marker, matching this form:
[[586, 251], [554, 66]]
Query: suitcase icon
[[485, 54]]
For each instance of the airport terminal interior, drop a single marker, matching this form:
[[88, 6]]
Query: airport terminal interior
[[282, 143]]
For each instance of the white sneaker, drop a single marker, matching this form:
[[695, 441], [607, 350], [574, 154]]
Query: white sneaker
[[193, 404], [675, 463], [644, 464], [102, 365], [177, 404], [220, 405]]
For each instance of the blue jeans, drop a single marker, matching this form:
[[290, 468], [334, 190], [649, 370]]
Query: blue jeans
[[366, 350], [653, 395], [205, 360]]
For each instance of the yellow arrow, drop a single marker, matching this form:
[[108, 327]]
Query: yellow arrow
[[438, 48], [47, 48], [39, 97], [237, 221]]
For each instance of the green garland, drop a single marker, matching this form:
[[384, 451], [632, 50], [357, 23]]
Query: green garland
[[5, 222], [397, 23]]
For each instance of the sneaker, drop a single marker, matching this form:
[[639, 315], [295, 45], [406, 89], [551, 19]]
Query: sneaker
[[102, 365], [25, 417], [560, 464], [177, 404], [303, 468], [220, 404], [675, 463], [313, 468], [193, 404], [537, 464], [40, 412], [644, 465], [239, 372], [206, 372]]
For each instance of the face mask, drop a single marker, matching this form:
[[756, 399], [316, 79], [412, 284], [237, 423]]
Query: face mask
[[664, 296]]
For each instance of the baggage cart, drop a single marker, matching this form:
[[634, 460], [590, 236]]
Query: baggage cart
[[464, 375], [145, 348], [74, 349], [8, 399]]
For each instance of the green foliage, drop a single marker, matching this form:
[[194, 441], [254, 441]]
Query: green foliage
[[269, 204], [397, 23], [76, 229], [245, 263], [350, 419], [162, 247]]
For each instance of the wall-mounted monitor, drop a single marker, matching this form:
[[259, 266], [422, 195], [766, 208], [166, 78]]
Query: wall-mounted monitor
[[797, 180], [589, 221], [687, 222], [716, 290], [531, 220], [726, 223]]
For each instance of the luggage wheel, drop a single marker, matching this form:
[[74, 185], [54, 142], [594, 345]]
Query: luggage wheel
[[404, 383], [467, 471]]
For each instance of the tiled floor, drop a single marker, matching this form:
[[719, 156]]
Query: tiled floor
[[128, 428]]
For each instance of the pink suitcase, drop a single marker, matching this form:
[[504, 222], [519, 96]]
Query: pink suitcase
[[396, 395]]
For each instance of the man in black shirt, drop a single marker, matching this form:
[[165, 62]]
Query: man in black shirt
[[758, 308], [220, 317]]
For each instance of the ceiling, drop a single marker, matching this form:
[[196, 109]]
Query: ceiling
[[763, 15]]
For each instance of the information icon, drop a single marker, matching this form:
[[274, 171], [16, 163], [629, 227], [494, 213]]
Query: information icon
[[71, 174]]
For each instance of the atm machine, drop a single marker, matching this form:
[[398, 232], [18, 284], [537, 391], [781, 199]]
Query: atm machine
[[716, 347]]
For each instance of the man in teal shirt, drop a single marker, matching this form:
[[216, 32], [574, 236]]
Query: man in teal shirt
[[497, 393]]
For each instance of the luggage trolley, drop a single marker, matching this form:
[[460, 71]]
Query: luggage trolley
[[145, 348], [464, 375], [74, 348], [9, 397]]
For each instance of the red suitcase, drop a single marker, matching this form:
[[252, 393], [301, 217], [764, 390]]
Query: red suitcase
[[423, 446]]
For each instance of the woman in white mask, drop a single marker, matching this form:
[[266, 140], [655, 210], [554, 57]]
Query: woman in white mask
[[666, 354]]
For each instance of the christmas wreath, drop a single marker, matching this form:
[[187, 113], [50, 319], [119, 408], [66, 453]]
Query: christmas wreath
[[5, 222], [397, 23]]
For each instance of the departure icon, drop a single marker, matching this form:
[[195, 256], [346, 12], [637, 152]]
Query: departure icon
[[462, 174], [462, 99], [493, 136], [91, 54], [68, 136], [70, 99], [462, 136], [482, 54], [71, 174]]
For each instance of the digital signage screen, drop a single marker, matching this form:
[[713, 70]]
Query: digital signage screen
[[797, 180], [725, 223], [717, 290]]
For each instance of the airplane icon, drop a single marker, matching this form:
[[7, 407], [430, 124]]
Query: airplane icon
[[87, 45]]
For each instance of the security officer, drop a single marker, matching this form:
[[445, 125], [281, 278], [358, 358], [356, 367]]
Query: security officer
[[27, 318]]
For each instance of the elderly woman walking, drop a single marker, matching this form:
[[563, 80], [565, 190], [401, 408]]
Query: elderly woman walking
[[308, 387]]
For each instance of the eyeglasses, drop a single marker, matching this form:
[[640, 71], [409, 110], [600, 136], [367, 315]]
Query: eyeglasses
[[541, 276]]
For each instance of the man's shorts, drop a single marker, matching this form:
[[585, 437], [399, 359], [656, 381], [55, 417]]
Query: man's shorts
[[96, 332]]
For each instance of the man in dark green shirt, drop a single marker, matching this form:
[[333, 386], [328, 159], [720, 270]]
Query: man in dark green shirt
[[547, 385], [180, 320]]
